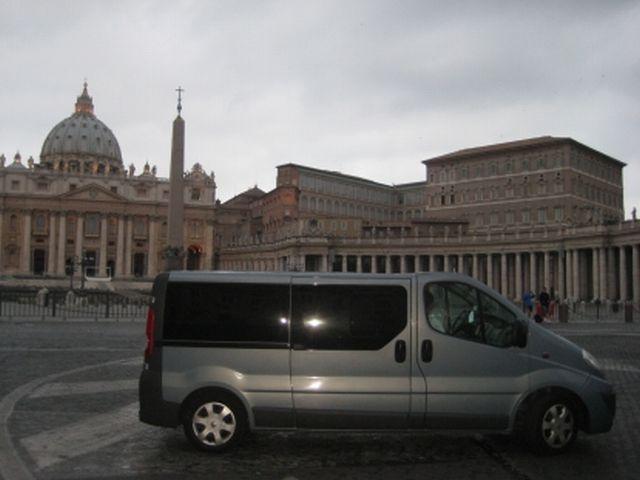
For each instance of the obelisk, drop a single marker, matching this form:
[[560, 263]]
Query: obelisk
[[174, 252]]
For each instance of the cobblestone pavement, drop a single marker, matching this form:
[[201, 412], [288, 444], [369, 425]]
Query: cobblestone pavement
[[73, 421]]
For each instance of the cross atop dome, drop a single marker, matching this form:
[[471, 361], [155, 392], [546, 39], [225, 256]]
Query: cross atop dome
[[84, 103]]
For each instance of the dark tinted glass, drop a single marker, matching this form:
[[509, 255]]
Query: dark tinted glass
[[227, 312], [499, 322], [347, 317]]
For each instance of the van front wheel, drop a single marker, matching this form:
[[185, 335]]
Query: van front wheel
[[553, 425], [214, 422]]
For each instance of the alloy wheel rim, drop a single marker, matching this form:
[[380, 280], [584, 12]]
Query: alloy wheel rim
[[213, 424], [558, 426]]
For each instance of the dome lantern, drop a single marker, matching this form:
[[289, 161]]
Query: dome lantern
[[84, 103]]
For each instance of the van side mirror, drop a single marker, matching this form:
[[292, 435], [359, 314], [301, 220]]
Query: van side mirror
[[520, 335]]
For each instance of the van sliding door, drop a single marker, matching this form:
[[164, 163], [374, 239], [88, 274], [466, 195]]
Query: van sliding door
[[351, 353]]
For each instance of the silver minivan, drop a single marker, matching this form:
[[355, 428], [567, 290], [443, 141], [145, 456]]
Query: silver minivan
[[232, 352]]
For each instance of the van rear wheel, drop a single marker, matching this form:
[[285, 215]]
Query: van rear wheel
[[552, 425], [214, 422]]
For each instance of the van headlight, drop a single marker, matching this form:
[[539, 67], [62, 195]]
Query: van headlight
[[591, 360]]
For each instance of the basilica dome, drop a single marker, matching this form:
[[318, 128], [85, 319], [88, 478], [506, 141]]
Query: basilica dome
[[82, 143]]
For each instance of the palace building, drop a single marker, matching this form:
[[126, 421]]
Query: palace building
[[521, 215]]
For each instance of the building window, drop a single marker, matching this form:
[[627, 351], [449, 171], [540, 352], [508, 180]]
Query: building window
[[42, 187], [139, 228], [141, 192], [526, 216], [195, 229], [165, 194], [92, 225], [72, 186], [114, 189], [558, 214], [39, 224], [195, 194], [15, 184], [509, 218], [542, 215], [493, 219]]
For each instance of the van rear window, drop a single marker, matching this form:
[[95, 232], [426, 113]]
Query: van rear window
[[227, 312]]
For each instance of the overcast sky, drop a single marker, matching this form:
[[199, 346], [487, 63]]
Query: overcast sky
[[369, 88]]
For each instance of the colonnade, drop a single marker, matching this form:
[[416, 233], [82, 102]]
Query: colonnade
[[580, 273], [116, 253]]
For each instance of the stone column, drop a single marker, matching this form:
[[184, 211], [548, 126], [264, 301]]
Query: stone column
[[374, 264], [561, 285], [403, 266], [387, 264], [474, 266], [416, 263], [120, 248], [25, 258], [79, 236], [519, 289], [635, 256], [128, 247], [547, 270], [152, 264], [612, 293], [103, 246], [461, 263], [602, 272], [569, 265], [490, 270], [576, 275], [51, 257], [623, 273], [445, 263], [1, 246], [343, 267], [532, 272], [359, 264], [62, 243], [208, 248], [504, 285], [595, 267]]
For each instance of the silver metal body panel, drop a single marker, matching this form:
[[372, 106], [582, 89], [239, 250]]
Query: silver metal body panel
[[464, 379]]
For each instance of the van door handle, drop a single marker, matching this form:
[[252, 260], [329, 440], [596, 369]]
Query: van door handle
[[401, 351], [426, 351]]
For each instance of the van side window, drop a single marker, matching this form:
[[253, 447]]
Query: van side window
[[347, 317], [452, 309], [462, 311], [499, 323], [227, 312]]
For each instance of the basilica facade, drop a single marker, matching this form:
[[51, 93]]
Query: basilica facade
[[81, 203], [521, 215]]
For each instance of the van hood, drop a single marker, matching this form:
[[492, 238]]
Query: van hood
[[550, 348]]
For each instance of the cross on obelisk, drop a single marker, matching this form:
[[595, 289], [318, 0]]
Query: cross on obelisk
[[174, 251], [179, 90]]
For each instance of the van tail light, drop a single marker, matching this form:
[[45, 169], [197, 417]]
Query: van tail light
[[151, 326]]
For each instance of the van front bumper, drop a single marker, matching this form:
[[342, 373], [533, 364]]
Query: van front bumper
[[154, 410], [600, 400]]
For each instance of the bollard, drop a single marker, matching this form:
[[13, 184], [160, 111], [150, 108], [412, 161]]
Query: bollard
[[563, 313], [628, 312]]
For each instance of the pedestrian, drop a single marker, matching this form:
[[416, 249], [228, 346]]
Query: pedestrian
[[544, 301], [527, 301]]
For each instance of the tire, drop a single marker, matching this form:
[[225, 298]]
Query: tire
[[214, 421], [552, 425]]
